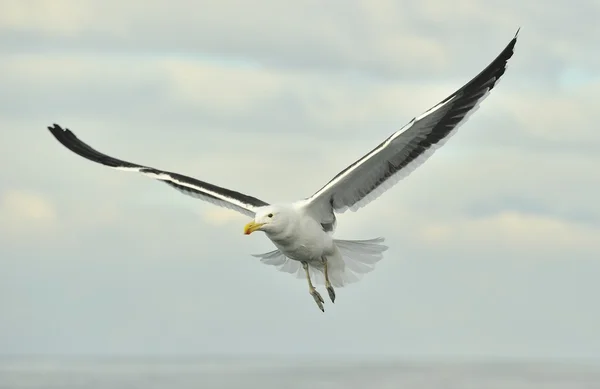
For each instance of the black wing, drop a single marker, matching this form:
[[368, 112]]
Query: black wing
[[203, 190]]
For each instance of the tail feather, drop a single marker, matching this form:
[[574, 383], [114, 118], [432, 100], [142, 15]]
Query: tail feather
[[352, 260], [358, 257]]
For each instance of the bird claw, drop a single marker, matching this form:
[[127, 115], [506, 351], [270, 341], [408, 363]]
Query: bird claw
[[318, 299], [331, 292]]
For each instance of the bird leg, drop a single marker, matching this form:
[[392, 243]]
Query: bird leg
[[311, 289], [327, 283]]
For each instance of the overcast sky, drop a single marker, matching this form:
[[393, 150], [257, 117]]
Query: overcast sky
[[494, 241]]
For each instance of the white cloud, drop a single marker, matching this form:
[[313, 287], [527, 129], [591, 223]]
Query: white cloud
[[371, 37], [63, 19], [220, 216], [19, 205], [25, 213], [226, 90], [567, 116], [217, 99], [514, 231]]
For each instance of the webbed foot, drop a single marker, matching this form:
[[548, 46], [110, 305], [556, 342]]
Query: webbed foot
[[318, 299], [331, 292]]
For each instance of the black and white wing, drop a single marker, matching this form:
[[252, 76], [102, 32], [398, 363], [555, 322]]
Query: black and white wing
[[406, 149], [190, 186]]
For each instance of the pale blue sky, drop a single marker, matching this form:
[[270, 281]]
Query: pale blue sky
[[494, 241]]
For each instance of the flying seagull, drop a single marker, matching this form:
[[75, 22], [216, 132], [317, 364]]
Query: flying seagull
[[302, 232]]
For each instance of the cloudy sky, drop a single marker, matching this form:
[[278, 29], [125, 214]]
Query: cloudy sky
[[494, 241]]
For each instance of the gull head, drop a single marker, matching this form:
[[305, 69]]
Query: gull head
[[267, 219]]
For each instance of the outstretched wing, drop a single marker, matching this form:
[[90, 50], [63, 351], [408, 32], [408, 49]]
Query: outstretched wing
[[376, 172], [190, 186]]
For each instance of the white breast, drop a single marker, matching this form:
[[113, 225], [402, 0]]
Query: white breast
[[303, 239]]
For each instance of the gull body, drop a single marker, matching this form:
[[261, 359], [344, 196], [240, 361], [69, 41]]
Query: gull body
[[297, 235], [300, 237], [303, 232]]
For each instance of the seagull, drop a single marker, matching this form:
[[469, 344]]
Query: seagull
[[302, 231]]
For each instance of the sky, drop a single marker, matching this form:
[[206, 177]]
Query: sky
[[494, 241]]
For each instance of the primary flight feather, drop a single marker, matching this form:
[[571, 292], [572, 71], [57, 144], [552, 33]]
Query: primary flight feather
[[302, 232]]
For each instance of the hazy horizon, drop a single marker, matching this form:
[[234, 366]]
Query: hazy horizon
[[275, 374]]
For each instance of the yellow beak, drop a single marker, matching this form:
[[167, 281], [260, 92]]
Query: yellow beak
[[251, 227]]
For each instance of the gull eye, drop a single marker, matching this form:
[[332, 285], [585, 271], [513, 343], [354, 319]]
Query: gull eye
[[270, 215]]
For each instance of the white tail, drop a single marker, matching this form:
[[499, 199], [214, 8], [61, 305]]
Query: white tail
[[352, 259]]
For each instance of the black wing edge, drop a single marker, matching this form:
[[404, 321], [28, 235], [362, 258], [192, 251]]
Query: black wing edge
[[492, 72], [465, 100], [68, 139]]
